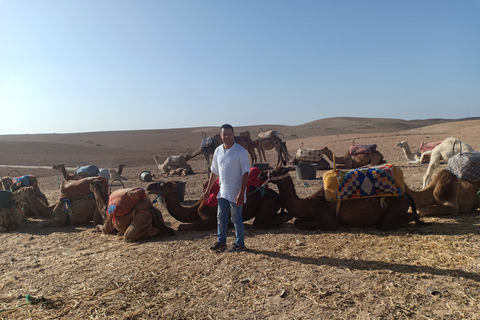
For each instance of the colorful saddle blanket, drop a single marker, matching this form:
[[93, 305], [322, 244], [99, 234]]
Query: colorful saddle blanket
[[465, 166], [87, 171], [23, 181], [362, 148], [379, 181]]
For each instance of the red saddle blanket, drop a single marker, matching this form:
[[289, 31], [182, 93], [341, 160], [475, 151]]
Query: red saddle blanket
[[362, 149], [122, 201]]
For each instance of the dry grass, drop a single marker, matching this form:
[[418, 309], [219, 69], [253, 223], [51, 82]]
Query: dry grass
[[429, 272]]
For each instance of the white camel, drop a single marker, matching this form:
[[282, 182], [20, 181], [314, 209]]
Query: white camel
[[444, 151], [417, 157]]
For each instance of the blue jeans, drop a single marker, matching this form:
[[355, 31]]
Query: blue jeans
[[224, 206]]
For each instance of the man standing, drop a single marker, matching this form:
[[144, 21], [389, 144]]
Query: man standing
[[231, 165]]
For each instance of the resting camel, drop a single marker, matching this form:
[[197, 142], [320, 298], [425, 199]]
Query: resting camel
[[315, 212], [354, 161], [207, 147], [10, 215], [444, 151], [15, 184], [32, 202], [283, 157], [421, 155], [172, 163], [73, 175], [77, 204], [264, 209], [131, 212], [446, 195]]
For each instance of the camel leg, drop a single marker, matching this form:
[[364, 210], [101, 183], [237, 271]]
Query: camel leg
[[434, 161], [141, 227], [106, 227], [60, 215], [267, 220]]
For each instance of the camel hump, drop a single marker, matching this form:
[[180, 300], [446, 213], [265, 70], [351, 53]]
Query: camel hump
[[267, 134]]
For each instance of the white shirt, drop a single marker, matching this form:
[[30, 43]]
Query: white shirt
[[230, 165]]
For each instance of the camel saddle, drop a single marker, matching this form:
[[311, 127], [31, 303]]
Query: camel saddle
[[23, 181], [362, 149], [308, 154], [465, 165], [122, 201], [76, 189], [267, 134], [87, 171], [378, 181], [428, 147]]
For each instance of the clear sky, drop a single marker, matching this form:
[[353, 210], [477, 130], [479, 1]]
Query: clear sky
[[97, 65]]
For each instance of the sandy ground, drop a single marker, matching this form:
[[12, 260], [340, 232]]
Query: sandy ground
[[73, 272]]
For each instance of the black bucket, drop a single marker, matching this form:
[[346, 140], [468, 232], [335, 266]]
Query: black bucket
[[181, 190], [261, 166], [146, 176], [306, 171]]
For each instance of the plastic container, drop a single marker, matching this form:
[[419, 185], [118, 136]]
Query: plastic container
[[146, 176], [181, 190], [306, 171]]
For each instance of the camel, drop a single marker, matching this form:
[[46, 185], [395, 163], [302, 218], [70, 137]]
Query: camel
[[15, 184], [444, 151], [263, 208], [11, 216], [245, 140], [207, 147], [422, 155], [131, 212], [315, 212], [117, 175], [77, 204], [354, 161], [446, 195], [172, 163], [283, 157], [32, 202], [176, 172], [66, 175]]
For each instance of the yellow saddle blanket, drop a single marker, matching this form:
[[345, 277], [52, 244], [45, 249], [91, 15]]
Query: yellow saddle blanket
[[378, 181]]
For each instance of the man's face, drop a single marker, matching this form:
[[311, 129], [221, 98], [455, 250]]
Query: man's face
[[227, 136]]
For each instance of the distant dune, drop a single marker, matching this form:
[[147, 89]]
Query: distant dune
[[110, 148]]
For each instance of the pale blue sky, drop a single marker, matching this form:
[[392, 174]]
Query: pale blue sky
[[80, 65]]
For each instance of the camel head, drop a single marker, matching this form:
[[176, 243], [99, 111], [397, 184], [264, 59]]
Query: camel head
[[30, 195], [156, 157], [402, 144], [6, 183], [156, 187], [59, 167], [274, 175]]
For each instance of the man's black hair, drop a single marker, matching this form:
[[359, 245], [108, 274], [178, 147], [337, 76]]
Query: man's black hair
[[227, 126]]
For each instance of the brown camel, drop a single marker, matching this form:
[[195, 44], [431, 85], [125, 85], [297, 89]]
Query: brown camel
[[140, 219], [207, 147], [245, 140], [446, 195], [354, 161], [32, 202], [66, 175], [283, 157], [77, 204], [315, 212], [263, 208], [11, 216]]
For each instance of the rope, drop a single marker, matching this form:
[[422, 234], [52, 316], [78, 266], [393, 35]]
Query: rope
[[161, 193]]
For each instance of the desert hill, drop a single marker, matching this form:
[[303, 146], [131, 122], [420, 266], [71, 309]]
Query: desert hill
[[109, 148]]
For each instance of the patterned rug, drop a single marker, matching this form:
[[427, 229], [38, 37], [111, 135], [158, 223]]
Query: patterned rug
[[465, 166], [379, 181]]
